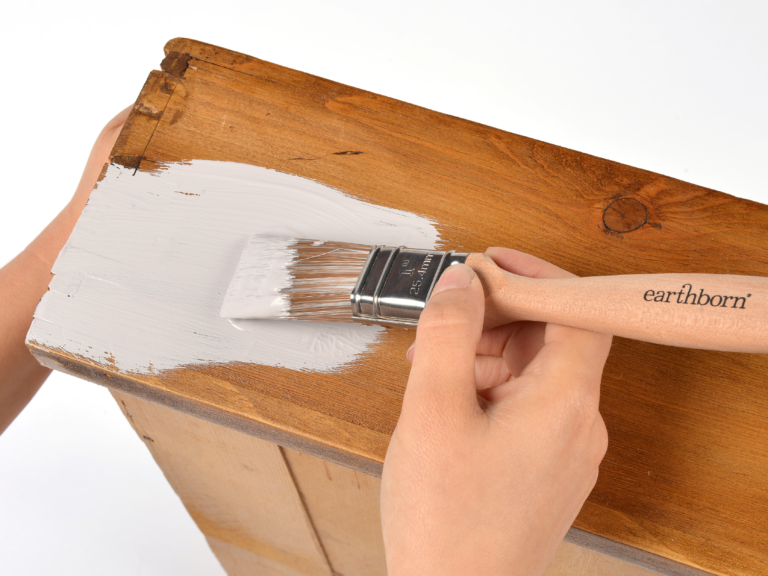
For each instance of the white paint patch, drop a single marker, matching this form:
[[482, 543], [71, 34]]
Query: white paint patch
[[143, 276], [254, 290]]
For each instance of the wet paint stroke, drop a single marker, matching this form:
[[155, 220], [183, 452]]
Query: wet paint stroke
[[140, 283]]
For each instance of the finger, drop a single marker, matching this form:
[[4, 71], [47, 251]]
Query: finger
[[570, 357], [490, 371], [442, 378], [567, 372], [494, 341], [524, 264], [518, 343], [575, 355]]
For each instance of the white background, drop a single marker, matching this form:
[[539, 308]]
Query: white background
[[676, 87]]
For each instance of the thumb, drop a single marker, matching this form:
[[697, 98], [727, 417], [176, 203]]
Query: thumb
[[443, 373]]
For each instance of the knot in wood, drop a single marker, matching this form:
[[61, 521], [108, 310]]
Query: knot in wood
[[625, 215]]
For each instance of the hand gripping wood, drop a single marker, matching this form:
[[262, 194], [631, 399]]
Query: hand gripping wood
[[705, 311]]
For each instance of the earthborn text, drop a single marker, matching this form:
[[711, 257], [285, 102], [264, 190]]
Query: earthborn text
[[694, 298]]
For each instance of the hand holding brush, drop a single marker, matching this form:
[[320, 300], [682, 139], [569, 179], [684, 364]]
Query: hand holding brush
[[499, 438], [303, 279]]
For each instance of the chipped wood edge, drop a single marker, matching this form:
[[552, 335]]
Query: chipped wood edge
[[183, 50], [143, 119]]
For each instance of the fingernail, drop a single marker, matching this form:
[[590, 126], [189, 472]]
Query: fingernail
[[456, 276], [409, 353]]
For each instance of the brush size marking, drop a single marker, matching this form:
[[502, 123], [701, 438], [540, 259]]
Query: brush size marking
[[693, 298], [419, 274]]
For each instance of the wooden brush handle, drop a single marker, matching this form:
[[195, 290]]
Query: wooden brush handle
[[707, 311]]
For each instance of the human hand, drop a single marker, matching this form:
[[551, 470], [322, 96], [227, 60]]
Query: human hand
[[499, 439], [24, 280]]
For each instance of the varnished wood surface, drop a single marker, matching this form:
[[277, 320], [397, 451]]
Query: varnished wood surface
[[685, 474]]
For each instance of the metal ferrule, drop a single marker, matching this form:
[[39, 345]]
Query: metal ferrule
[[396, 283]]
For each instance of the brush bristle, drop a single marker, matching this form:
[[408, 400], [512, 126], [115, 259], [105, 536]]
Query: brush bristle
[[295, 278]]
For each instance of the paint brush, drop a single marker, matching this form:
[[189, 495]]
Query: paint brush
[[303, 279]]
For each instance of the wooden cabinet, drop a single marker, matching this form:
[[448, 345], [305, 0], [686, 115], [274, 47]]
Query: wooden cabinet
[[277, 460]]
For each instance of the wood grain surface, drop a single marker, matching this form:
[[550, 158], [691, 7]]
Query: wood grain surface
[[273, 511], [685, 474], [238, 490]]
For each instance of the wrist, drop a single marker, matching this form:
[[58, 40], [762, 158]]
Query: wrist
[[44, 249]]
